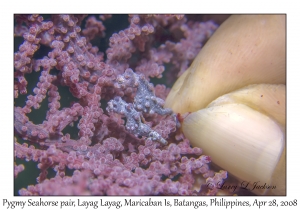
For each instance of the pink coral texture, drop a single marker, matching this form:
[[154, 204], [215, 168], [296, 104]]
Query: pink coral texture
[[104, 130]]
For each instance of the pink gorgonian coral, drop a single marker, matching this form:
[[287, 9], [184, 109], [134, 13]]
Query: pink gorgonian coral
[[101, 127]]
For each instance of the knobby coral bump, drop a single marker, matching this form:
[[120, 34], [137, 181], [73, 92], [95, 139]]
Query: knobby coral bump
[[123, 141]]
